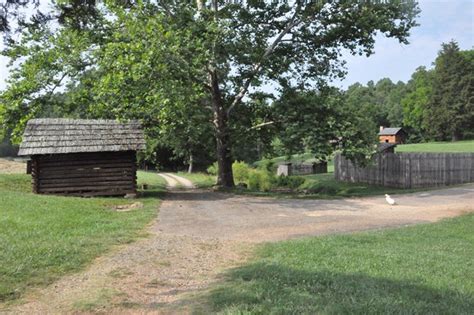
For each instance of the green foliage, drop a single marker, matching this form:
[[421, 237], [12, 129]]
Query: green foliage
[[321, 122], [261, 180], [420, 269], [415, 102], [241, 171], [267, 165], [434, 104], [44, 237], [308, 121], [450, 111], [212, 169], [185, 70]]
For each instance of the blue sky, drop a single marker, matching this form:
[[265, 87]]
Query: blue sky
[[440, 21]]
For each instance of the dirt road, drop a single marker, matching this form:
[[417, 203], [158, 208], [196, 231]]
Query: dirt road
[[174, 181], [10, 166], [198, 234]]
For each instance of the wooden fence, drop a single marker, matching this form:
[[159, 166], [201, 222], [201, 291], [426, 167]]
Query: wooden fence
[[288, 169], [409, 170]]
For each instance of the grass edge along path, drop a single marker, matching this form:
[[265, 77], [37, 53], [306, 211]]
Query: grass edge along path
[[44, 237], [424, 269]]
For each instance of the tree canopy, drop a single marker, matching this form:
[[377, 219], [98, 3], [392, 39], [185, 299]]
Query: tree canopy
[[435, 104], [186, 67]]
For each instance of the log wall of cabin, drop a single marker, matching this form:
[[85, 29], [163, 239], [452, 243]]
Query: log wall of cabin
[[85, 174]]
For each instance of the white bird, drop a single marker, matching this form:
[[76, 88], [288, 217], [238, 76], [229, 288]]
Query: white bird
[[390, 201]]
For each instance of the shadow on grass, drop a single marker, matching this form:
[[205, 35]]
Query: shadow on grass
[[266, 288], [152, 194]]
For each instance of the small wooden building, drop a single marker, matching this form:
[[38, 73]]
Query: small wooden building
[[82, 157], [392, 135], [385, 147]]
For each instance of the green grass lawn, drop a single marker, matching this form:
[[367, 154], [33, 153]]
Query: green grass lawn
[[425, 269], [458, 146], [44, 237]]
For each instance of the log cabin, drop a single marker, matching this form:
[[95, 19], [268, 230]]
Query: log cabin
[[82, 157]]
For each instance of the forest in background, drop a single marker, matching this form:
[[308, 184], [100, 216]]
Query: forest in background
[[436, 104]]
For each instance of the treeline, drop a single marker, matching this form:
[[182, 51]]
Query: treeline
[[435, 104]]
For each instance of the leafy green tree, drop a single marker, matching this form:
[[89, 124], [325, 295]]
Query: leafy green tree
[[450, 112], [320, 122], [138, 60], [415, 102]]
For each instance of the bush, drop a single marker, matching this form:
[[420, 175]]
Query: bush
[[254, 179], [212, 170], [261, 180], [241, 171]]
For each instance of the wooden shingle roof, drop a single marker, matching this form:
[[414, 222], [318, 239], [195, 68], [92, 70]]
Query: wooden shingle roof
[[58, 135], [390, 131]]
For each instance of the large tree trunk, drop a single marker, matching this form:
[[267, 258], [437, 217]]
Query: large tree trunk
[[225, 177]]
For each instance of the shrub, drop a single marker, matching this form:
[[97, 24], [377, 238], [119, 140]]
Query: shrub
[[212, 170], [241, 171], [254, 180], [261, 180], [267, 181]]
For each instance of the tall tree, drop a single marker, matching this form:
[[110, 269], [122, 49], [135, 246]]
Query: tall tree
[[415, 102], [153, 56], [321, 122], [450, 111]]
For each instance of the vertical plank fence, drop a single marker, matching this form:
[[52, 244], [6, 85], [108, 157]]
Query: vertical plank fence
[[288, 169], [409, 170]]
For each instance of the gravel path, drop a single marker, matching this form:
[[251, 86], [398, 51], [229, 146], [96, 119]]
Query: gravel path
[[211, 215], [198, 234]]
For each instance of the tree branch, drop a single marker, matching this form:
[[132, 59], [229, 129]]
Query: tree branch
[[261, 125], [258, 66]]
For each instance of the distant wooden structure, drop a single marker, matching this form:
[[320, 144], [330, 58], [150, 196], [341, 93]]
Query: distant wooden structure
[[82, 157], [289, 169], [408, 170], [392, 135], [385, 147]]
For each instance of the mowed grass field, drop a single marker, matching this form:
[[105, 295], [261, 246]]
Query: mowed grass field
[[458, 146], [425, 269], [44, 237]]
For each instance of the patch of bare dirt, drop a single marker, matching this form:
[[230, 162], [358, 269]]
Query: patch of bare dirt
[[128, 207], [199, 234], [10, 166]]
